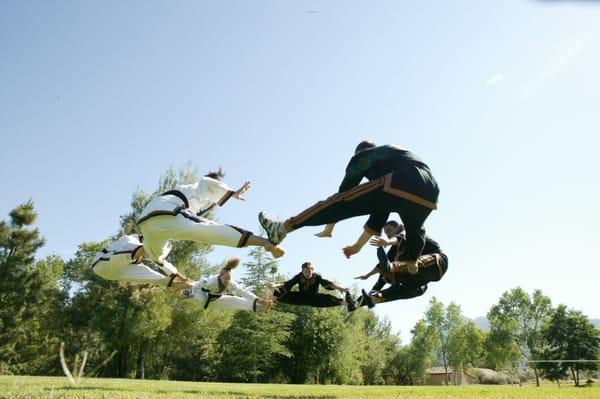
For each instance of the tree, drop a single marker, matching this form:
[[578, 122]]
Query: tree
[[410, 363], [465, 346], [570, 336], [443, 324], [29, 294], [260, 270], [516, 321], [252, 344]]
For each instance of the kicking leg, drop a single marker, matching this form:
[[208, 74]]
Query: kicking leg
[[358, 201], [131, 273]]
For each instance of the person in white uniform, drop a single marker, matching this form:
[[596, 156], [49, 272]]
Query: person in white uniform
[[209, 291], [121, 260], [177, 215]]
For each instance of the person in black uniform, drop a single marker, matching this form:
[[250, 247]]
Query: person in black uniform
[[398, 182], [431, 266], [308, 290]]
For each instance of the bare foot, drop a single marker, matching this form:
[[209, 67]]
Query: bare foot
[[323, 234], [350, 250], [276, 251], [264, 305], [177, 286]]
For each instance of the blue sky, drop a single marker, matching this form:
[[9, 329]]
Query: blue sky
[[500, 98]]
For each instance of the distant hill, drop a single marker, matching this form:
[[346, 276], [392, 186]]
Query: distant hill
[[482, 323]]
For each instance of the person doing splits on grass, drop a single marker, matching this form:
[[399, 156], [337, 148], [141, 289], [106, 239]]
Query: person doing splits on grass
[[308, 290], [177, 215], [209, 291], [121, 260], [398, 182]]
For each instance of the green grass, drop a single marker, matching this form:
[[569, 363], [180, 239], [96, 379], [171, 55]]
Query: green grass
[[56, 387]]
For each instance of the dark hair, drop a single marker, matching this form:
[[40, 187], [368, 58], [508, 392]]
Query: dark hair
[[306, 264], [217, 175], [363, 145], [394, 224]]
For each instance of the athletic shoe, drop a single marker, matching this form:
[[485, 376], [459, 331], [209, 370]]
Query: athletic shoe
[[275, 230], [367, 300], [350, 303]]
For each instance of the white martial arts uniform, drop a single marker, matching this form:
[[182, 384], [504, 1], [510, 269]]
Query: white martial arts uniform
[[176, 215], [117, 262], [209, 292]]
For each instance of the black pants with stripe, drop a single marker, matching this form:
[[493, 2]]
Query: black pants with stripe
[[315, 300], [369, 199], [396, 292]]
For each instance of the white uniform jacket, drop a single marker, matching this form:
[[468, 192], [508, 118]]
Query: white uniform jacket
[[210, 288], [199, 198]]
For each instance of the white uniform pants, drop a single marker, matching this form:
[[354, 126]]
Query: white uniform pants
[[225, 301], [158, 230], [131, 273]]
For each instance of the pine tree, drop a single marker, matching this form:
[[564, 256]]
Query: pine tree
[[28, 293], [260, 270]]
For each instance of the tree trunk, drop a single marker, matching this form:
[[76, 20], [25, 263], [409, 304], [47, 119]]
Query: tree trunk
[[446, 370], [141, 360], [537, 377], [574, 377], [123, 360]]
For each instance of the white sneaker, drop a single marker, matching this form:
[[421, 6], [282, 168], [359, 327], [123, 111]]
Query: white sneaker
[[275, 230]]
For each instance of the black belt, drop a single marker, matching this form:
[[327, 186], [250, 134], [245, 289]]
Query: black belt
[[179, 195], [210, 298]]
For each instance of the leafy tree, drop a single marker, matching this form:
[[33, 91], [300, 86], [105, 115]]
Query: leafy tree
[[516, 321], [443, 324], [465, 346], [570, 336], [409, 364]]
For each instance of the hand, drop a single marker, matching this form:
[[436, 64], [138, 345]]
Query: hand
[[378, 241], [350, 250], [411, 266], [245, 187], [179, 286], [183, 278]]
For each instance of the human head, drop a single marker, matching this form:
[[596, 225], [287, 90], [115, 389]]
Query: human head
[[392, 228], [364, 145], [307, 270], [225, 273], [217, 175]]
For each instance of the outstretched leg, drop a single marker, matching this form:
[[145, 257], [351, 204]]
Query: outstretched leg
[[188, 227], [363, 199]]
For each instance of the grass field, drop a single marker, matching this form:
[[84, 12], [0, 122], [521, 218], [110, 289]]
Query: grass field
[[55, 387]]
